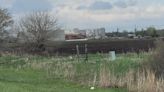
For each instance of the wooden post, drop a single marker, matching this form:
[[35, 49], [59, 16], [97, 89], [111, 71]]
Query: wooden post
[[77, 52], [86, 53]]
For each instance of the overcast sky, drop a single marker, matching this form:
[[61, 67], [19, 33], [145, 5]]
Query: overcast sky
[[124, 14]]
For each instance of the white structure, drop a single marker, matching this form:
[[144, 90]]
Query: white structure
[[96, 33], [99, 33], [131, 35], [112, 55], [90, 33]]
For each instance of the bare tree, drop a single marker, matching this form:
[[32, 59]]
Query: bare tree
[[37, 27], [5, 21]]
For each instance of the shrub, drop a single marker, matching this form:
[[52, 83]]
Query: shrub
[[156, 62]]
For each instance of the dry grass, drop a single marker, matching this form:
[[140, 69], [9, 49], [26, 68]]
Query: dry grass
[[156, 62], [104, 77], [140, 81], [108, 80], [144, 82]]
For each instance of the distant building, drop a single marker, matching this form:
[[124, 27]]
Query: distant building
[[96, 33], [131, 36], [76, 33], [90, 34], [99, 33], [74, 36]]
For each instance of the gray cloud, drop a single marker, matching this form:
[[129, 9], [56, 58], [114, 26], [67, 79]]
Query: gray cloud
[[121, 4], [98, 5], [102, 5], [125, 4]]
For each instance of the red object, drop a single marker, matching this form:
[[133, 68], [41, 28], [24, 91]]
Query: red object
[[74, 36]]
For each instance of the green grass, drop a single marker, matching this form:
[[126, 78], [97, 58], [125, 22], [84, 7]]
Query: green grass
[[55, 87], [60, 74], [36, 81]]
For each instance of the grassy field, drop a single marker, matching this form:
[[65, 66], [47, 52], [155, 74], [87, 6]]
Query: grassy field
[[34, 81], [62, 74]]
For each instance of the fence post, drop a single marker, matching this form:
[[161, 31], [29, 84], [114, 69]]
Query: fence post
[[77, 52], [86, 53]]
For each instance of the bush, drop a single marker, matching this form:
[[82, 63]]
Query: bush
[[157, 60]]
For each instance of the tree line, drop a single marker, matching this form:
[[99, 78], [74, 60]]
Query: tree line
[[148, 32]]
